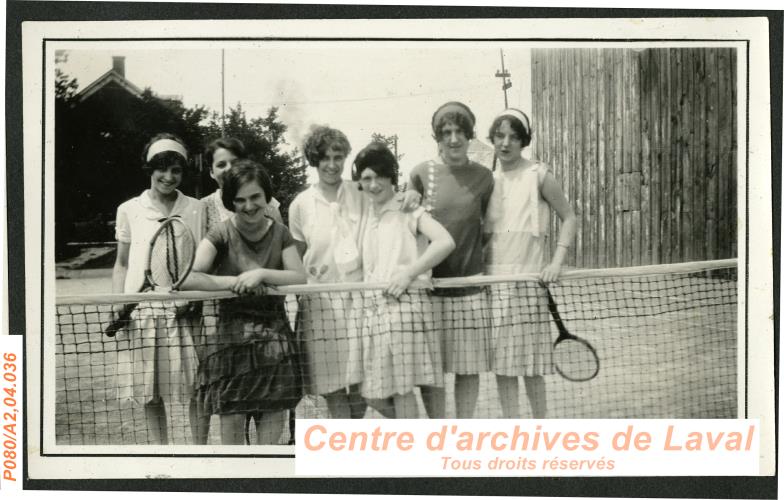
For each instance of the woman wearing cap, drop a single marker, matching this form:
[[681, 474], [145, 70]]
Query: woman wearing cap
[[456, 192], [516, 234], [160, 364]]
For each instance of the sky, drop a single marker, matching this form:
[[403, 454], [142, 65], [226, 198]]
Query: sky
[[359, 88]]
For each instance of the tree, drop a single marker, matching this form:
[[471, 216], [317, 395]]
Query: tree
[[65, 90], [263, 138], [98, 147]]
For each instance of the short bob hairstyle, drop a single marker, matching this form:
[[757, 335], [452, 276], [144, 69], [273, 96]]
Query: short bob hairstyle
[[523, 132], [377, 157], [459, 114], [235, 146], [242, 172], [321, 139], [163, 159]]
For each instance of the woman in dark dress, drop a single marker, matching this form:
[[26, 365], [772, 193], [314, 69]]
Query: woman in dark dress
[[249, 365]]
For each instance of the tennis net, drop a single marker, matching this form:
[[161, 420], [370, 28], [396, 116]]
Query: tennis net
[[666, 338]]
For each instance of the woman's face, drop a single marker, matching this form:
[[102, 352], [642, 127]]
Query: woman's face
[[166, 180], [249, 203], [330, 167], [453, 144], [221, 162], [378, 189], [508, 145]]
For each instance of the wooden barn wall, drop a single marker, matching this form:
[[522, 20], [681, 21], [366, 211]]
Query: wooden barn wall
[[643, 143]]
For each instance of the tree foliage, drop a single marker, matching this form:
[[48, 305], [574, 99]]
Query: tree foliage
[[99, 141], [263, 138]]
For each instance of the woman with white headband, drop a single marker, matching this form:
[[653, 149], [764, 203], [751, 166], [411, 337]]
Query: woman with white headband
[[159, 365], [516, 235]]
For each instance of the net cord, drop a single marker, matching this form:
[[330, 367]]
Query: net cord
[[619, 272]]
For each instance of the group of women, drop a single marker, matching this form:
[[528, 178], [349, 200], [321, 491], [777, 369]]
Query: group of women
[[457, 219]]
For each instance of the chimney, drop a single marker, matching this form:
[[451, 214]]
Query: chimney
[[118, 65]]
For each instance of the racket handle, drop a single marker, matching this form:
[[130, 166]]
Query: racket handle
[[122, 320]]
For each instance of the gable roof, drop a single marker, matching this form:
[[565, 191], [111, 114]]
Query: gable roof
[[110, 76]]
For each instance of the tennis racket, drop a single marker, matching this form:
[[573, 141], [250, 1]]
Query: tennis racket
[[575, 359], [169, 261]]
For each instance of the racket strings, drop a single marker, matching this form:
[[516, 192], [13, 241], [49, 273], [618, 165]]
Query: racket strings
[[575, 360], [171, 254]]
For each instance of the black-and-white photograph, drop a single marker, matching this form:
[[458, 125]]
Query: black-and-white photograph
[[239, 233], [244, 169]]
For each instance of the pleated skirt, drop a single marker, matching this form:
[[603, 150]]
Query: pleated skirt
[[400, 347], [521, 329], [463, 324], [156, 354], [328, 328]]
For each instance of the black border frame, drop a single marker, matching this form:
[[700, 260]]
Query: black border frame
[[660, 487]]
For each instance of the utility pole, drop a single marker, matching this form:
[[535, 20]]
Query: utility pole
[[504, 74], [223, 92]]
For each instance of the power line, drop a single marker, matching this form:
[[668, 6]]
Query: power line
[[358, 99]]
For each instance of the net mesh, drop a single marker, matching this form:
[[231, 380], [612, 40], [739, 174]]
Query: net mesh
[[667, 343]]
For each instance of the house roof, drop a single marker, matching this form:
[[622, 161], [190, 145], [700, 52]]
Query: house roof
[[110, 76]]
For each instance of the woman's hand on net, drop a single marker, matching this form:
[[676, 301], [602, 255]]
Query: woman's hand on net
[[411, 201], [550, 273], [398, 285], [249, 281]]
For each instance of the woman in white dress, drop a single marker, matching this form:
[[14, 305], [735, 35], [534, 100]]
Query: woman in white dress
[[159, 365], [516, 237], [326, 221]]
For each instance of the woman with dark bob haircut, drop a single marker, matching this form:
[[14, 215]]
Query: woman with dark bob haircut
[[159, 342], [399, 348], [249, 365]]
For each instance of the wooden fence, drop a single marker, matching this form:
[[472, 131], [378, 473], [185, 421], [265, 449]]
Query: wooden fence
[[644, 144]]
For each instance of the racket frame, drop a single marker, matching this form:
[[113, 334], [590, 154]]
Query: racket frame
[[148, 284], [148, 278], [563, 335]]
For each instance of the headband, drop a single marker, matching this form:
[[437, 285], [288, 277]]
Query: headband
[[519, 115], [452, 107], [164, 145]]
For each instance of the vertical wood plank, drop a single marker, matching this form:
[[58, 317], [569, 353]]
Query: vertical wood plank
[[700, 172], [646, 136], [654, 162], [687, 188], [725, 142], [618, 75], [599, 137], [712, 148], [628, 149], [733, 174], [609, 155], [677, 146], [574, 76], [633, 85], [589, 176]]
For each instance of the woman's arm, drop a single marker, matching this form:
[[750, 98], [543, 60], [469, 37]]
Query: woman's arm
[[553, 194], [120, 270], [198, 279], [441, 245], [293, 273]]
